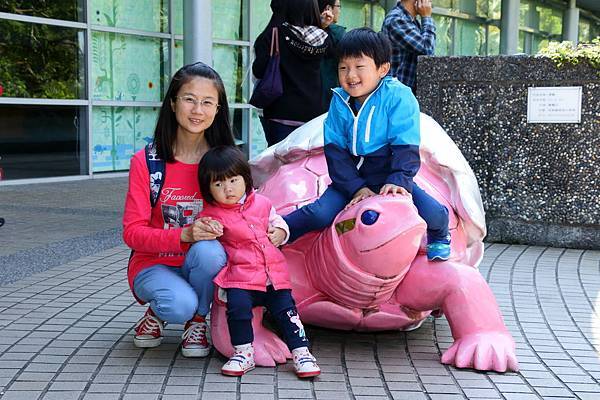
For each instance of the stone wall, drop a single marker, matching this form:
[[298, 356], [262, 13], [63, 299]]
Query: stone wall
[[540, 183]]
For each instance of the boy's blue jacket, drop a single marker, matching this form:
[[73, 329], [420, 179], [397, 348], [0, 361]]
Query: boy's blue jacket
[[377, 146]]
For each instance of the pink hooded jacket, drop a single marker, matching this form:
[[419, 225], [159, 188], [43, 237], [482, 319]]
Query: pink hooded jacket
[[252, 260]]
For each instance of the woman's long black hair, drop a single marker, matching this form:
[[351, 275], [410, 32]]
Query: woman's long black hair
[[217, 134], [303, 13]]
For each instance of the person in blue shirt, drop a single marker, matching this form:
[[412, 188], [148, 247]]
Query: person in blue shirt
[[372, 142], [409, 37]]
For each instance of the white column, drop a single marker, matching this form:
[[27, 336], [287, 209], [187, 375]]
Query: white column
[[197, 31], [570, 29], [509, 27]]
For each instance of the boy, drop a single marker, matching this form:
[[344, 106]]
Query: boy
[[371, 142]]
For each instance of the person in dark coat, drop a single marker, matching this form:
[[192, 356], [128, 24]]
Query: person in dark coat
[[302, 44], [329, 64]]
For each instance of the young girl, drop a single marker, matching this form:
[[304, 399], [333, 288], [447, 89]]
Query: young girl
[[174, 261], [256, 272]]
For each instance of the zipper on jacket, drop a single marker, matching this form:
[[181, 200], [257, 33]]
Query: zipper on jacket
[[360, 162], [357, 116], [368, 130]]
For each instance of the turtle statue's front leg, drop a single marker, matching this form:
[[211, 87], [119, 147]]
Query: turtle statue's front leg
[[481, 340], [269, 349]]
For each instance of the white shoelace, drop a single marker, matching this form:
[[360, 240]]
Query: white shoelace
[[195, 333], [148, 324]]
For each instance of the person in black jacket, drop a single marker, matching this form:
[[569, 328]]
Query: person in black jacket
[[302, 44]]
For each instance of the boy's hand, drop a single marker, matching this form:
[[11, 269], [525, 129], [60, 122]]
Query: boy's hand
[[393, 189], [276, 235], [360, 195]]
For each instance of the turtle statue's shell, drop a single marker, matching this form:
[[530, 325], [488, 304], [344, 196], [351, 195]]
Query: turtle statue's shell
[[293, 173]]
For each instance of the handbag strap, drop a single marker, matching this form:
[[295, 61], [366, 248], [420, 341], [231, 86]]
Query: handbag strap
[[274, 41]]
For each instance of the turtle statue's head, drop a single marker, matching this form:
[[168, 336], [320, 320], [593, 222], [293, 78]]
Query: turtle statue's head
[[380, 235]]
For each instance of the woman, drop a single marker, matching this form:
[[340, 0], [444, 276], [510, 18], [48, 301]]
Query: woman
[[175, 259], [302, 45]]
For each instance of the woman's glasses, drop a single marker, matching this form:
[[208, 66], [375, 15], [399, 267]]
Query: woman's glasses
[[191, 101]]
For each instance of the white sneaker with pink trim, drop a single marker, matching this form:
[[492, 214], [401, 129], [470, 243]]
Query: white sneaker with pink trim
[[304, 363], [240, 362]]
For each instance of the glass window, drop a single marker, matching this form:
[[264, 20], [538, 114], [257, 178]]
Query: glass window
[[584, 30], [378, 17], [472, 7], [550, 20], [41, 61], [232, 64], [147, 15], [42, 141], [70, 10], [443, 35], [239, 122], [177, 17], [230, 19], [117, 133], [178, 55], [469, 38], [259, 142], [130, 68], [521, 45], [538, 42], [443, 3], [495, 9], [261, 14], [524, 12], [493, 40], [354, 14]]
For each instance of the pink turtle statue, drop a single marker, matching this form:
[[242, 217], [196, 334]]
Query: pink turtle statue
[[372, 275]]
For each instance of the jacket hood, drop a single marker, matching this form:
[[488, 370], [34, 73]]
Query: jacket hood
[[299, 41]]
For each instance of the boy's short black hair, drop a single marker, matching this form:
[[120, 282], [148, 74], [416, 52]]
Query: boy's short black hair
[[365, 42], [220, 163]]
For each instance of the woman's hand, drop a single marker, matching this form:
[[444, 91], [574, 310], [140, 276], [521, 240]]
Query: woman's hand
[[326, 18], [360, 195], [204, 228], [276, 235], [393, 189]]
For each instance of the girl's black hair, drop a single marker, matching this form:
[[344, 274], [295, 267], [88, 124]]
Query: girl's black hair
[[325, 3], [220, 163], [365, 42], [165, 134], [303, 13]]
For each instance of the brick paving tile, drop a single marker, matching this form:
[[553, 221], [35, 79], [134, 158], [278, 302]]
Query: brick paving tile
[[67, 395]]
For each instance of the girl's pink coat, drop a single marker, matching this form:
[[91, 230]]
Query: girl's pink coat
[[251, 257]]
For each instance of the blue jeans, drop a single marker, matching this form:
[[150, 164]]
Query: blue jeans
[[176, 294], [281, 305], [321, 213]]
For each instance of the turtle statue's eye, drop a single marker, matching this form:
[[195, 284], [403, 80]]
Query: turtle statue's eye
[[369, 217]]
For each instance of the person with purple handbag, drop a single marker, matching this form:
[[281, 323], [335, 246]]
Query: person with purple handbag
[[302, 44]]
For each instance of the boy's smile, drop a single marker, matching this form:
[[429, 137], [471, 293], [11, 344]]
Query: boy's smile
[[359, 76]]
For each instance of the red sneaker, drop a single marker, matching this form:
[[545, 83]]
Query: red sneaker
[[195, 343], [148, 331]]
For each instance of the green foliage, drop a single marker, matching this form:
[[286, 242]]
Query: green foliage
[[40, 61], [566, 54]]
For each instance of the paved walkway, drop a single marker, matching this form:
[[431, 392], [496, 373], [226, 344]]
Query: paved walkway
[[53, 223], [65, 333]]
